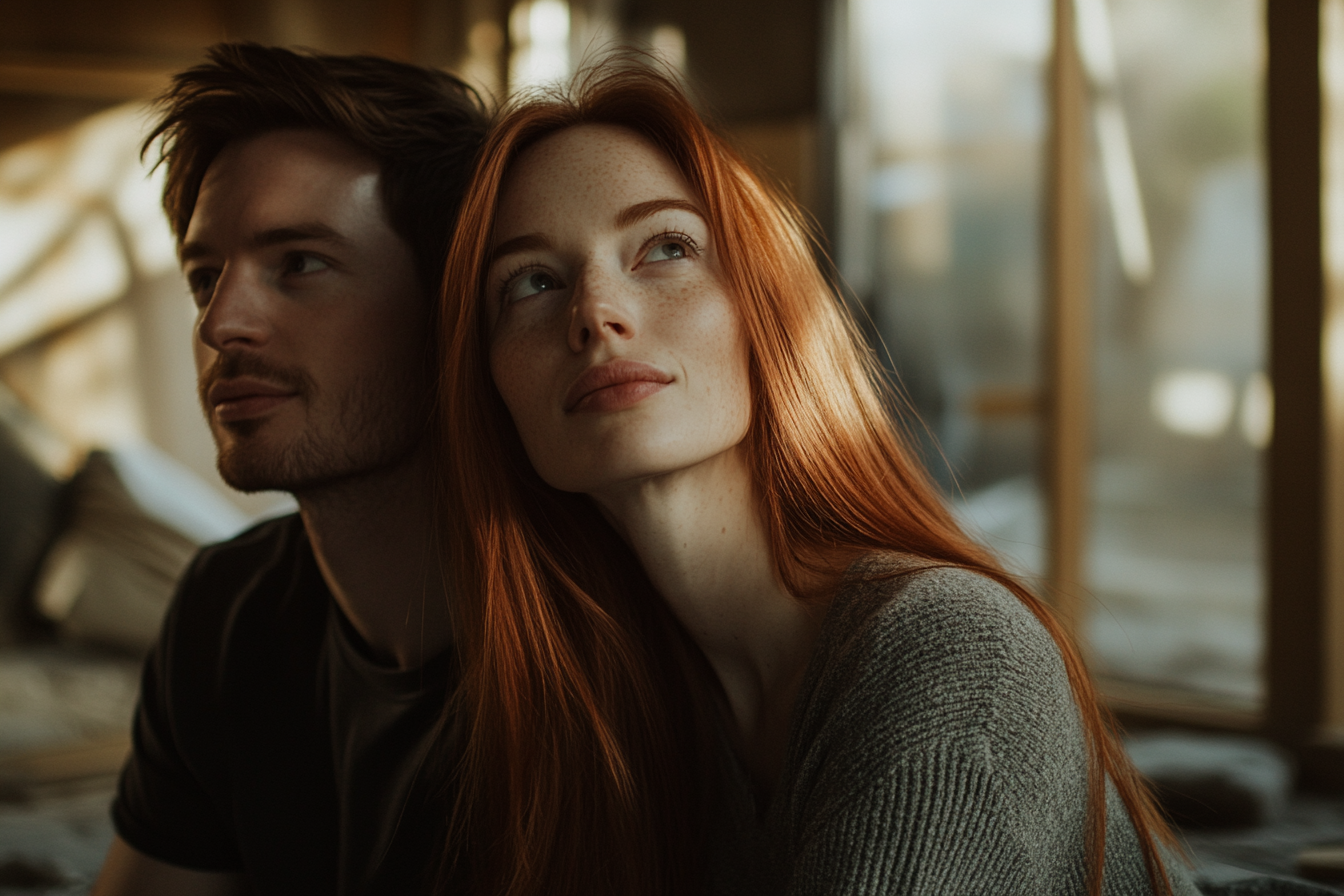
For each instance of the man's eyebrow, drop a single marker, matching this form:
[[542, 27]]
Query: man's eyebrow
[[312, 230], [642, 210], [526, 243], [194, 249]]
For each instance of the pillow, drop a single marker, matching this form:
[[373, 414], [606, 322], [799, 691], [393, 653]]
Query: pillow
[[136, 518]]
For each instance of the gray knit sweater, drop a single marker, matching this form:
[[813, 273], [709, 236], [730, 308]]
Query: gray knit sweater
[[935, 749]]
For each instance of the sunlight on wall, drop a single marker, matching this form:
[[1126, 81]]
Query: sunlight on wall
[[485, 40], [75, 209], [539, 30], [80, 228], [668, 42]]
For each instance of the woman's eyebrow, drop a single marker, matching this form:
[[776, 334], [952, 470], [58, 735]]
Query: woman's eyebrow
[[642, 210], [528, 242]]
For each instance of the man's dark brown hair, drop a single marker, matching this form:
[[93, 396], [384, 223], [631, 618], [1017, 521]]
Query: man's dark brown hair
[[423, 126]]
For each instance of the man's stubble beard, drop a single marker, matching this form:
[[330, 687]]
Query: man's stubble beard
[[376, 425]]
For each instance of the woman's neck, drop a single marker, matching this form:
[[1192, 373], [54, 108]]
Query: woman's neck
[[701, 540]]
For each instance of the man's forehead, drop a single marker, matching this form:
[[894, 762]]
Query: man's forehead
[[287, 179], [313, 145]]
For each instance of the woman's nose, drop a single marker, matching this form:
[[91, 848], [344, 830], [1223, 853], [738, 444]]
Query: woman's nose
[[599, 309]]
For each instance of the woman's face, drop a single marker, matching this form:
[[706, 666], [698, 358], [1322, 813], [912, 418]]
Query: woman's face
[[614, 342]]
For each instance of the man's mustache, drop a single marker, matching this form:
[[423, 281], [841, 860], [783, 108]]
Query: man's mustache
[[234, 364]]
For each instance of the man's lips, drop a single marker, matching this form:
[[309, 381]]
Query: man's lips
[[244, 397], [614, 385]]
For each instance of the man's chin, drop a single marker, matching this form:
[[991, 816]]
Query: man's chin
[[298, 470], [253, 470]]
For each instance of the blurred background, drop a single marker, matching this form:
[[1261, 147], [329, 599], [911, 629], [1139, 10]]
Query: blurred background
[[1051, 216]]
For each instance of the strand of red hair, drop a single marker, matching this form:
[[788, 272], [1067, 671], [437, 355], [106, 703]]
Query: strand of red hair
[[585, 729]]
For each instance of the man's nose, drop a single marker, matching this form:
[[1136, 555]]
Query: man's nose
[[599, 308], [236, 315]]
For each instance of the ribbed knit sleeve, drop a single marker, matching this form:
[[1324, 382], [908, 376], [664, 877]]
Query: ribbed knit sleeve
[[936, 749]]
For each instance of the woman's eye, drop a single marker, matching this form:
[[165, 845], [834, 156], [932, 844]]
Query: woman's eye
[[529, 283], [667, 251], [670, 247], [303, 263]]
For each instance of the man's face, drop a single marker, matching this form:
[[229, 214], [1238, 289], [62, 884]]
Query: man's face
[[312, 329]]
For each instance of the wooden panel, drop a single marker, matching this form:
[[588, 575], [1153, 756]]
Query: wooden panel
[[748, 59], [1068, 324]]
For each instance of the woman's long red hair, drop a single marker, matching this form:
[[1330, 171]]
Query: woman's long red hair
[[584, 742]]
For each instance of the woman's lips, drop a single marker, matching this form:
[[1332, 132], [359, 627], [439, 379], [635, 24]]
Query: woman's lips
[[614, 385], [242, 398]]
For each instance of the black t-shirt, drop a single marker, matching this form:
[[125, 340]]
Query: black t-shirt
[[268, 742]]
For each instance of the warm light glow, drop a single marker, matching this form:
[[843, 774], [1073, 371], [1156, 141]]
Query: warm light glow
[[138, 202], [1257, 411], [485, 42], [539, 30], [669, 43], [1194, 402]]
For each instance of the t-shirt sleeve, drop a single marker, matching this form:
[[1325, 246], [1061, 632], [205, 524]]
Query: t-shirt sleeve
[[943, 755], [168, 803]]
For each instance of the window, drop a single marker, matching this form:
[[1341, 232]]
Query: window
[[1083, 229]]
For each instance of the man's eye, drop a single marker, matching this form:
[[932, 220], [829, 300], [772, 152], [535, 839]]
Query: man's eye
[[303, 263], [201, 282], [529, 283]]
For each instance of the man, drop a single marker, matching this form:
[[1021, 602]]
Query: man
[[285, 736]]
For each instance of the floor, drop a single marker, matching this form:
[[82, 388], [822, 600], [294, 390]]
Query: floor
[[53, 836]]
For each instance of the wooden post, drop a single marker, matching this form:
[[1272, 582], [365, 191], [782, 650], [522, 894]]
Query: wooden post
[[1296, 473], [1067, 346], [1331, 727]]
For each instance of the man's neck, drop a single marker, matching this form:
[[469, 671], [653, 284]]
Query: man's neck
[[373, 539]]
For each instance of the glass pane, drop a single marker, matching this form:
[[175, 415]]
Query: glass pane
[[939, 175], [1182, 405]]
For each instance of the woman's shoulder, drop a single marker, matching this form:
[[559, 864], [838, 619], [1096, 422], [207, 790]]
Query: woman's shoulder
[[924, 651], [895, 602]]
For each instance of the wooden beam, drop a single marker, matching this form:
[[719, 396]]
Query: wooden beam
[[83, 78], [1294, 501], [1067, 373]]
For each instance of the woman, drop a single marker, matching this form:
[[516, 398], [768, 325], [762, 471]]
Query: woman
[[680, 509]]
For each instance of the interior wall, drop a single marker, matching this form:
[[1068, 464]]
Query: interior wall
[[757, 69], [753, 65]]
